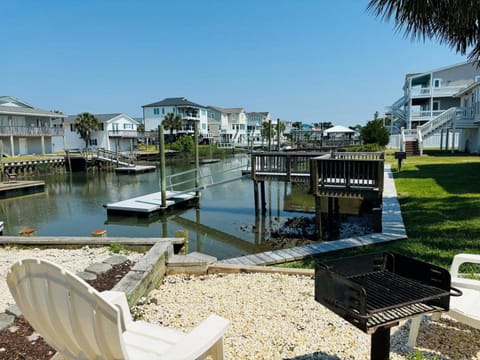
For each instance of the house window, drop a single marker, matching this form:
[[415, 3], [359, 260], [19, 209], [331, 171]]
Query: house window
[[477, 77], [72, 127], [204, 126], [101, 127], [93, 142], [437, 82], [163, 111], [156, 111], [436, 105]]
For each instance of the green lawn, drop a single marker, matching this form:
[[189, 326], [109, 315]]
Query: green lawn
[[439, 194]]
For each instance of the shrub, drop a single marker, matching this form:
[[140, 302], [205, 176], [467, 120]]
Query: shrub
[[375, 133], [185, 146]]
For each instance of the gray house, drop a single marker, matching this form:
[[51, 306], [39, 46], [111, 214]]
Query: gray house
[[433, 103], [25, 129]]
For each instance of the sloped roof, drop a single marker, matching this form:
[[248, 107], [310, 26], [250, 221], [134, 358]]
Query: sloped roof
[[176, 101], [102, 118], [227, 110], [257, 113], [27, 111], [339, 129]]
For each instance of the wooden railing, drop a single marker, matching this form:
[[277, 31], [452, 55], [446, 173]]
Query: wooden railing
[[123, 133], [347, 173], [288, 165]]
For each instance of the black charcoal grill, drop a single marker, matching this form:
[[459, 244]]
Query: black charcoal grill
[[375, 291]]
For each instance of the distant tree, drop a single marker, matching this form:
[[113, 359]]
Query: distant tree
[[452, 22], [297, 125], [141, 128], [172, 122], [375, 133], [357, 127], [267, 131], [282, 127], [85, 124]]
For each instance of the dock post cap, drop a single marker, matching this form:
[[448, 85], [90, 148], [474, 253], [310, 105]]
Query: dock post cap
[[27, 231], [99, 232]]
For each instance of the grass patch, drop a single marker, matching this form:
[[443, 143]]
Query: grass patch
[[439, 194]]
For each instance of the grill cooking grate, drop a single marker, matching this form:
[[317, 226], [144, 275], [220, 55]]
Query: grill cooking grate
[[386, 290]]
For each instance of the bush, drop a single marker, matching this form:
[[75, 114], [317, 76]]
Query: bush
[[375, 133], [185, 146]]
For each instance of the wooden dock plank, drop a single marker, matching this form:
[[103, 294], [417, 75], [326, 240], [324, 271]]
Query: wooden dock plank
[[84, 240]]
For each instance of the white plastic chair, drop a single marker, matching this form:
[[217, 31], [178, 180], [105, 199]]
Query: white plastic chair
[[463, 308], [82, 323]]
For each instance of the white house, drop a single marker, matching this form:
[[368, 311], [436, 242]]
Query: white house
[[154, 113], [437, 102], [227, 125], [254, 124], [467, 119], [116, 132], [25, 129]]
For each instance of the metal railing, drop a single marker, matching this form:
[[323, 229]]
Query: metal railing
[[31, 131]]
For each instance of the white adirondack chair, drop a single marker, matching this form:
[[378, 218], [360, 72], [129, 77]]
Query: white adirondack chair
[[463, 308], [82, 323]]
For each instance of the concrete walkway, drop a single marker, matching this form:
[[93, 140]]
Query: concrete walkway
[[392, 227]]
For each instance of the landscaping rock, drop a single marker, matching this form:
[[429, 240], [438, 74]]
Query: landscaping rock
[[87, 276], [14, 310], [116, 260], [6, 321], [98, 268]]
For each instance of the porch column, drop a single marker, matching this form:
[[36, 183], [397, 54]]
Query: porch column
[[447, 139], [12, 147], [441, 139], [42, 139]]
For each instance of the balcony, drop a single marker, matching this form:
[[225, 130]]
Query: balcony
[[425, 114], [130, 134], [30, 131], [442, 91]]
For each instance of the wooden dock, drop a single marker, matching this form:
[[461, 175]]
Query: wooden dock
[[393, 228], [151, 204], [135, 169], [18, 188]]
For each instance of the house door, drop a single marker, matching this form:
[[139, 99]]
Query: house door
[[22, 146]]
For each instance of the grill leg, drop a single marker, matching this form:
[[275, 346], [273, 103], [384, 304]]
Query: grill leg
[[380, 348]]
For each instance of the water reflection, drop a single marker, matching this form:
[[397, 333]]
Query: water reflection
[[224, 225]]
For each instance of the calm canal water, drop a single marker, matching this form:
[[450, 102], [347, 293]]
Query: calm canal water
[[224, 226]]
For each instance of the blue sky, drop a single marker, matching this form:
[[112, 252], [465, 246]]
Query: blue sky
[[304, 60]]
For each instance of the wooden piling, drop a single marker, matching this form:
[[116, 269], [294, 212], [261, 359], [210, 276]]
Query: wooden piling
[[255, 196], [318, 217], [263, 200]]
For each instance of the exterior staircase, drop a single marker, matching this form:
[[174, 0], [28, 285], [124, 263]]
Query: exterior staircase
[[412, 148], [416, 136]]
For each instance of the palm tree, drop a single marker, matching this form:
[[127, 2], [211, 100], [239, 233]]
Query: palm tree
[[172, 122], [85, 124], [452, 22]]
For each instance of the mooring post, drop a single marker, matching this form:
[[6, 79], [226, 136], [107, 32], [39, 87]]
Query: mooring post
[[197, 161], [255, 196], [318, 217], [163, 179], [1, 160], [263, 200]]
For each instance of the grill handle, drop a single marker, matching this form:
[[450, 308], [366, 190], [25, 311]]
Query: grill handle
[[455, 291], [353, 314]]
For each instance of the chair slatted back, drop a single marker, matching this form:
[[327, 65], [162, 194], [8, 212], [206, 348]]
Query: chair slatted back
[[70, 314]]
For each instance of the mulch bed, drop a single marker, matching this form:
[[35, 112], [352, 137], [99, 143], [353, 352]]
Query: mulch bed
[[20, 342]]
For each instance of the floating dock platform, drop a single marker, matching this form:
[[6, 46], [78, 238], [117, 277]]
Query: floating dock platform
[[18, 188], [151, 204], [137, 169]]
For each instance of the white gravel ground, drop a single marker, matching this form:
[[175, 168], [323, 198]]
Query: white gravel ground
[[272, 316], [75, 260], [276, 317]]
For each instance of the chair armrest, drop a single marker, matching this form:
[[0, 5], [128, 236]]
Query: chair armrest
[[205, 338], [118, 299], [459, 259]]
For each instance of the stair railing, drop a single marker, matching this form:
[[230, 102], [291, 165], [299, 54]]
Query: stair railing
[[437, 122]]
